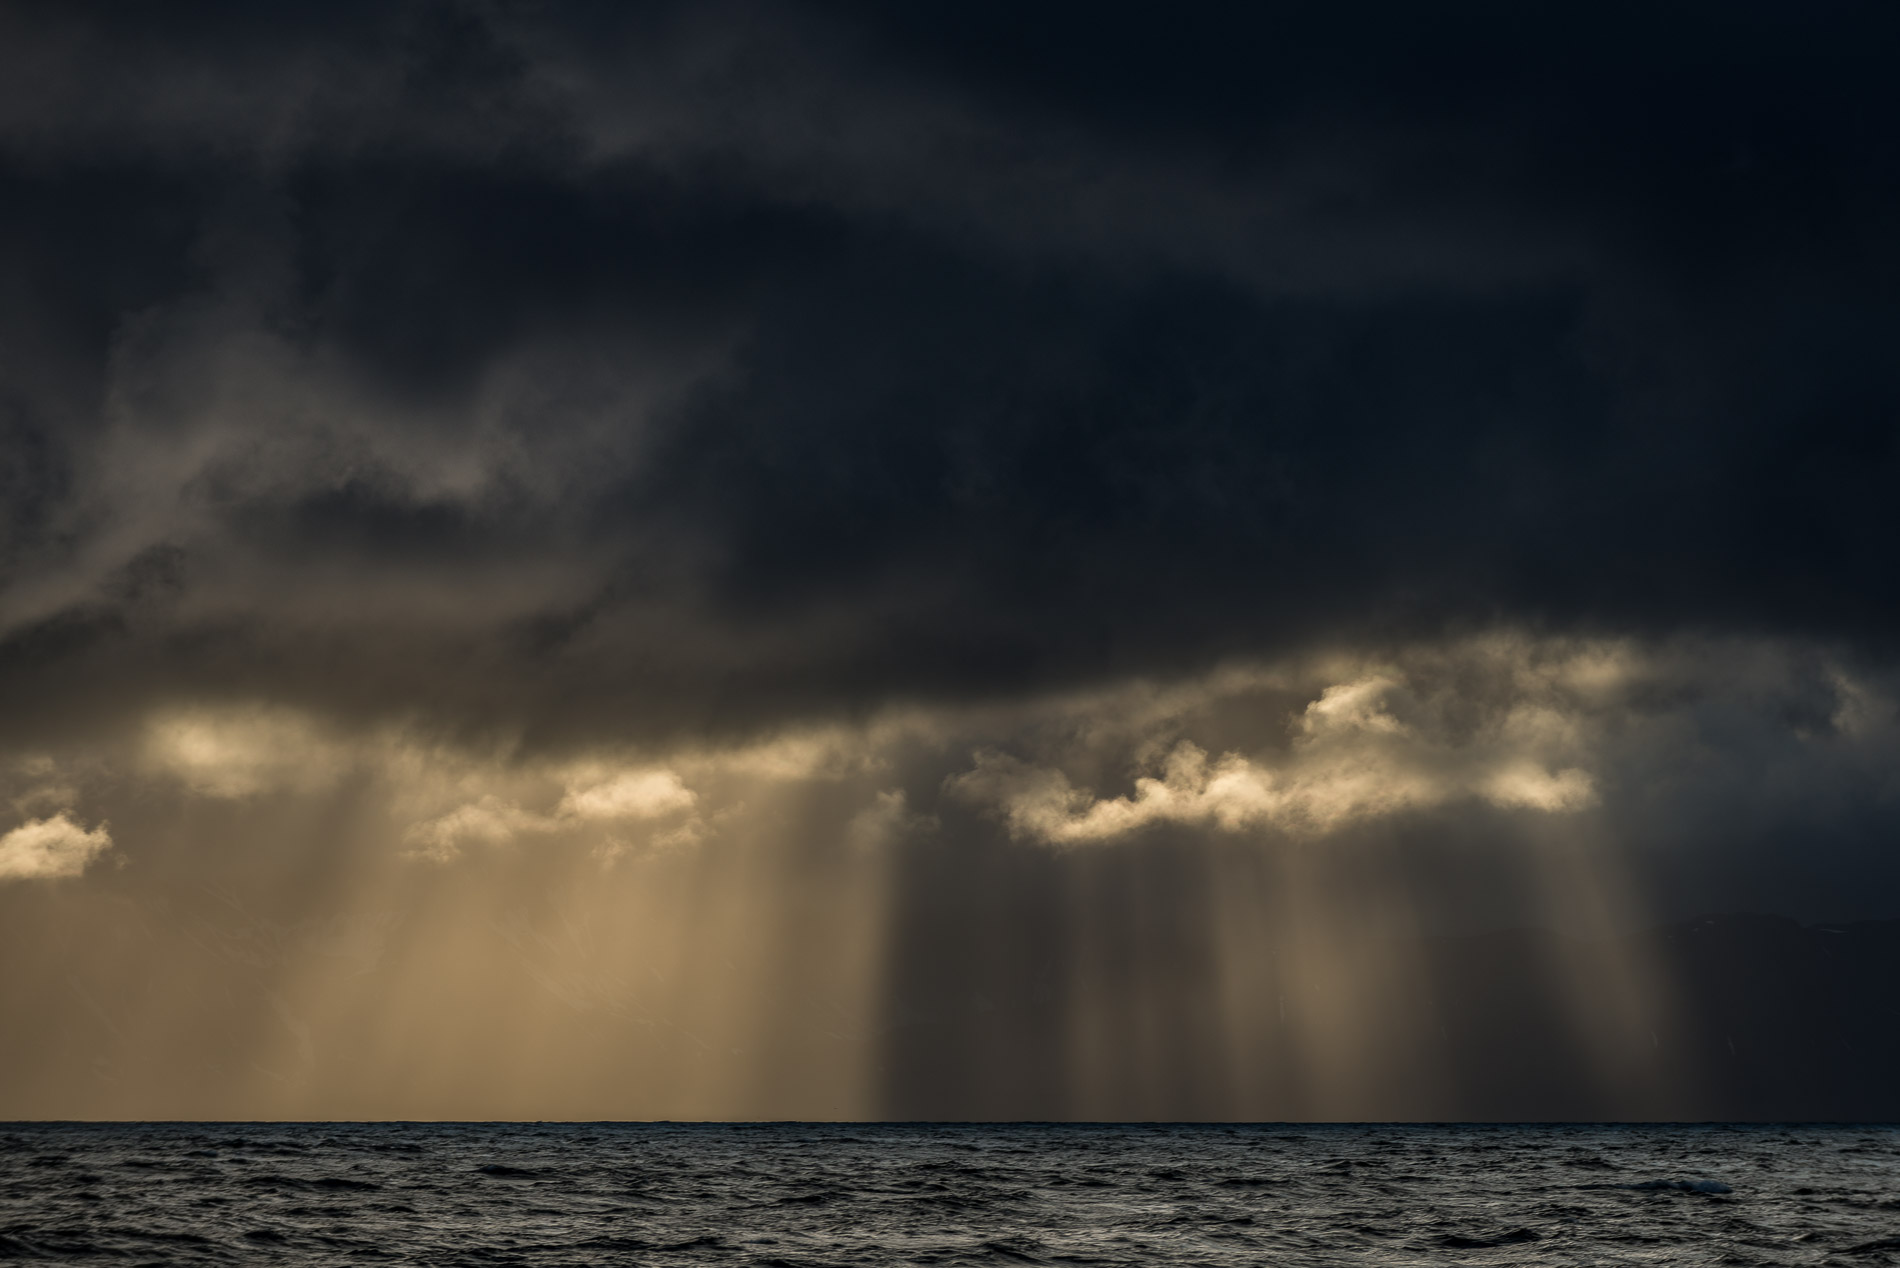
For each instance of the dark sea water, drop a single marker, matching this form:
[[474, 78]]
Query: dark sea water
[[930, 1194]]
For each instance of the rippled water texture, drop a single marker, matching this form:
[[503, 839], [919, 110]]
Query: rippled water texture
[[792, 1194]]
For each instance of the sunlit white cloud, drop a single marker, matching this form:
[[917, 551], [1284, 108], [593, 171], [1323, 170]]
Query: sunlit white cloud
[[634, 794], [45, 849], [1352, 758], [595, 796]]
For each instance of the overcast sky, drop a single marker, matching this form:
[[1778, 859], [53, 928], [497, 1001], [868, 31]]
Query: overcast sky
[[857, 472]]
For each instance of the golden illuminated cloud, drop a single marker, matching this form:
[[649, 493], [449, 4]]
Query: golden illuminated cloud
[[50, 848]]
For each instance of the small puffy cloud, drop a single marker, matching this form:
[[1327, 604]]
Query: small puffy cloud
[[242, 752], [595, 797], [1530, 787], [487, 821], [44, 849], [624, 798], [636, 794]]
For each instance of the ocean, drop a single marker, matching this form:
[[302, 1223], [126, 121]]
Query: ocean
[[812, 1194]]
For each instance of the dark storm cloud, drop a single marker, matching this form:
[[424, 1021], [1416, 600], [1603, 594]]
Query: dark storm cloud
[[589, 369], [970, 558]]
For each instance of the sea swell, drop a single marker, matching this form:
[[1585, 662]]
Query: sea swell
[[936, 1194]]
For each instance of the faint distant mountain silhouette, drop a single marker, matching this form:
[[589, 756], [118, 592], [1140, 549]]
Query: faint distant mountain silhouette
[[1759, 1017], [1723, 1017]]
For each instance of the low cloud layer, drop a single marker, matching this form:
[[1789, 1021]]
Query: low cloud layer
[[1667, 752]]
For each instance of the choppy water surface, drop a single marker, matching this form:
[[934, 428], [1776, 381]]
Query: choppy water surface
[[791, 1194]]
